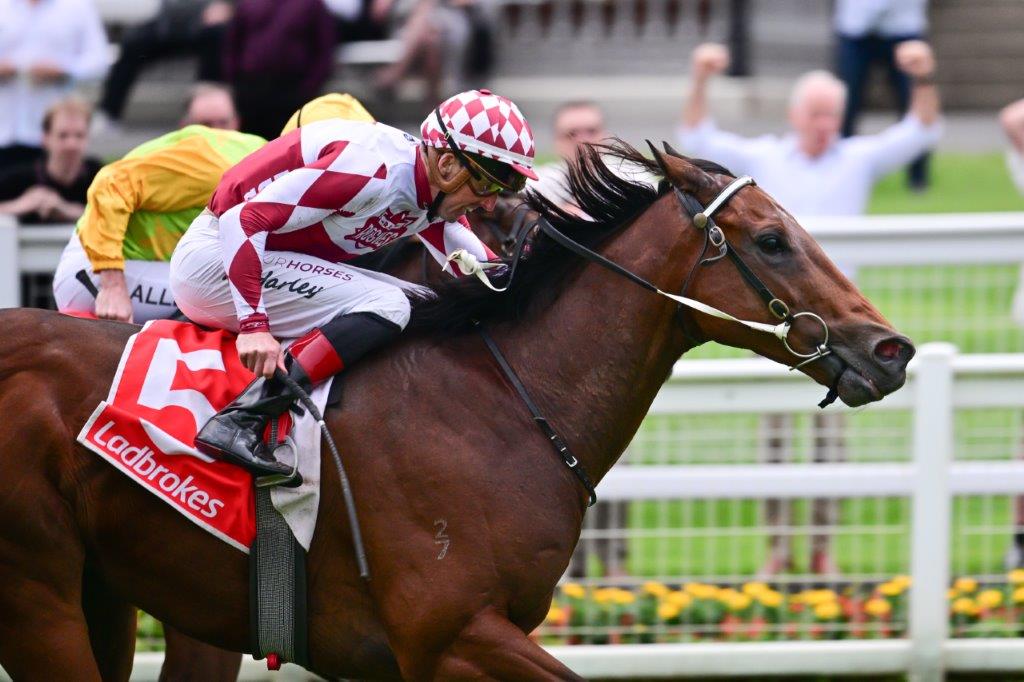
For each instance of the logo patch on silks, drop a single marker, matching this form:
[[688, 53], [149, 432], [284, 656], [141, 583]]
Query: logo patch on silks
[[172, 378], [381, 229]]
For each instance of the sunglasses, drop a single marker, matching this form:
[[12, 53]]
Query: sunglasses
[[487, 177]]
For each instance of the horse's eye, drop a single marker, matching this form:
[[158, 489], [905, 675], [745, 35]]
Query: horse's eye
[[771, 244]]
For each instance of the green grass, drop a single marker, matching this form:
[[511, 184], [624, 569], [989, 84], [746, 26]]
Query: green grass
[[967, 305]]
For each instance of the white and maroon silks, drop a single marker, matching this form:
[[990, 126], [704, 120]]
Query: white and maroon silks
[[172, 378]]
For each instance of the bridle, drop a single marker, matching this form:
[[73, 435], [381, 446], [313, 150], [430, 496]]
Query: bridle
[[702, 219]]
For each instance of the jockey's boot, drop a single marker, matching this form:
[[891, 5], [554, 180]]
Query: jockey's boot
[[235, 433]]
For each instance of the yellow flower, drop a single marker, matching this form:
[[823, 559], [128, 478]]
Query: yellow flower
[[1018, 595], [623, 597], [556, 615], [903, 581], [754, 589], [667, 611], [828, 610], [770, 599], [1016, 576], [701, 591], [815, 597], [952, 594], [574, 591], [890, 589], [990, 599], [605, 595], [965, 606], [727, 594], [679, 598], [656, 589], [877, 607], [739, 601], [966, 585]]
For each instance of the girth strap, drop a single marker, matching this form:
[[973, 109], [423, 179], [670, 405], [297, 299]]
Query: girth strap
[[560, 446]]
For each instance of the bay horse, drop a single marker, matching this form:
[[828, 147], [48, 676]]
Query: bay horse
[[435, 441]]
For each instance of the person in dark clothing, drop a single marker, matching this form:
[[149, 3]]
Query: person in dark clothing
[[869, 33], [182, 27], [277, 56], [53, 188]]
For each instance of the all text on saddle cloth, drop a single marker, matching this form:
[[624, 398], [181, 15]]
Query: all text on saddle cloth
[[172, 378]]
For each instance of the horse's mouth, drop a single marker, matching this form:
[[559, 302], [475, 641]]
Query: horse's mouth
[[856, 389]]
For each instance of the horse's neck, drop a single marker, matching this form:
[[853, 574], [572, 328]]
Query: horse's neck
[[596, 358]]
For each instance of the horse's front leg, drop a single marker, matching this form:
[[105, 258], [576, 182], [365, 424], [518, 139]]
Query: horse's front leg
[[489, 647]]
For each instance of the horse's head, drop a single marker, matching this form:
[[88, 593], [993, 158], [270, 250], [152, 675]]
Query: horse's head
[[862, 357]]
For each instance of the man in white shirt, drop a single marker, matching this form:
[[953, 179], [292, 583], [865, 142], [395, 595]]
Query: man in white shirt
[[811, 170], [46, 46]]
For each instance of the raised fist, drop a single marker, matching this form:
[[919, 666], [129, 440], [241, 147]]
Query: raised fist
[[915, 58], [709, 59]]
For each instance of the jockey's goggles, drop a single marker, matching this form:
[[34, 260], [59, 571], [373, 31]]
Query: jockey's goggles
[[487, 177]]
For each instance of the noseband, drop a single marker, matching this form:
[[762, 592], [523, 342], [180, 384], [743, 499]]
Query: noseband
[[703, 219]]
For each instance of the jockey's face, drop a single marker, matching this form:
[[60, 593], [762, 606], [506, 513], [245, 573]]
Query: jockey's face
[[463, 200]]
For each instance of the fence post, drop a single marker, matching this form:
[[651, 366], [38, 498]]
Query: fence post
[[10, 274], [931, 517]]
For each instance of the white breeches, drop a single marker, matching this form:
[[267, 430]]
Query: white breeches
[[147, 285], [300, 292]]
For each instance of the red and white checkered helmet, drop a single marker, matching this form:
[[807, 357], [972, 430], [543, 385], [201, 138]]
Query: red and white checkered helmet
[[486, 124]]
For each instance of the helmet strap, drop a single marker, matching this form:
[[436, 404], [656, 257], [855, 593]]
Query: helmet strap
[[446, 186]]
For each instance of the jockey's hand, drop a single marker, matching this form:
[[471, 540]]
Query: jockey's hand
[[113, 303], [260, 353]]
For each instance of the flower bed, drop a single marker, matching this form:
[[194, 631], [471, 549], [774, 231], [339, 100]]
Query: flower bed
[[699, 612]]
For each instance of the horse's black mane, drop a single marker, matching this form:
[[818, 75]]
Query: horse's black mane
[[611, 202]]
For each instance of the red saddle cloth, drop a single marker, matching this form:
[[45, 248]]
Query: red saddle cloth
[[172, 378]]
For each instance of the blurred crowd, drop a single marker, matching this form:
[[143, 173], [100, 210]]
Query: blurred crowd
[[258, 61]]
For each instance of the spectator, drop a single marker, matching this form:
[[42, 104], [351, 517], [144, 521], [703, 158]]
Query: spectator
[[140, 206], [277, 56], [53, 188], [212, 106], [1012, 119], [446, 39], [867, 32], [181, 27], [576, 123], [46, 47], [813, 172]]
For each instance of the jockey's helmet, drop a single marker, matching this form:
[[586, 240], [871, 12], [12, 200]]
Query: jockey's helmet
[[331, 105], [488, 135]]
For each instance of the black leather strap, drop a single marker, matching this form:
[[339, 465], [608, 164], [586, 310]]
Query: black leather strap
[[560, 446]]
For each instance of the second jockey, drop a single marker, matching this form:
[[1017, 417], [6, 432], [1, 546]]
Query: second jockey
[[267, 259]]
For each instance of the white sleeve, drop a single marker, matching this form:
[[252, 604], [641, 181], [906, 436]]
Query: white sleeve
[[1015, 165], [706, 141], [899, 144], [93, 57]]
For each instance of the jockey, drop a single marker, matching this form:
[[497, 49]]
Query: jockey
[[139, 206], [267, 259]]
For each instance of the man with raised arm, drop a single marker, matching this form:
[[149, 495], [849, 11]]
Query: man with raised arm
[[812, 170], [268, 258]]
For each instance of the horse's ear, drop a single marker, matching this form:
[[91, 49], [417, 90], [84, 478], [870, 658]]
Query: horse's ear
[[682, 173], [670, 150]]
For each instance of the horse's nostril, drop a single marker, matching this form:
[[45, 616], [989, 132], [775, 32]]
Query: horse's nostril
[[894, 350]]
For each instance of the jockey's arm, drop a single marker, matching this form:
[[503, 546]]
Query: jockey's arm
[[443, 239], [303, 197], [165, 180]]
